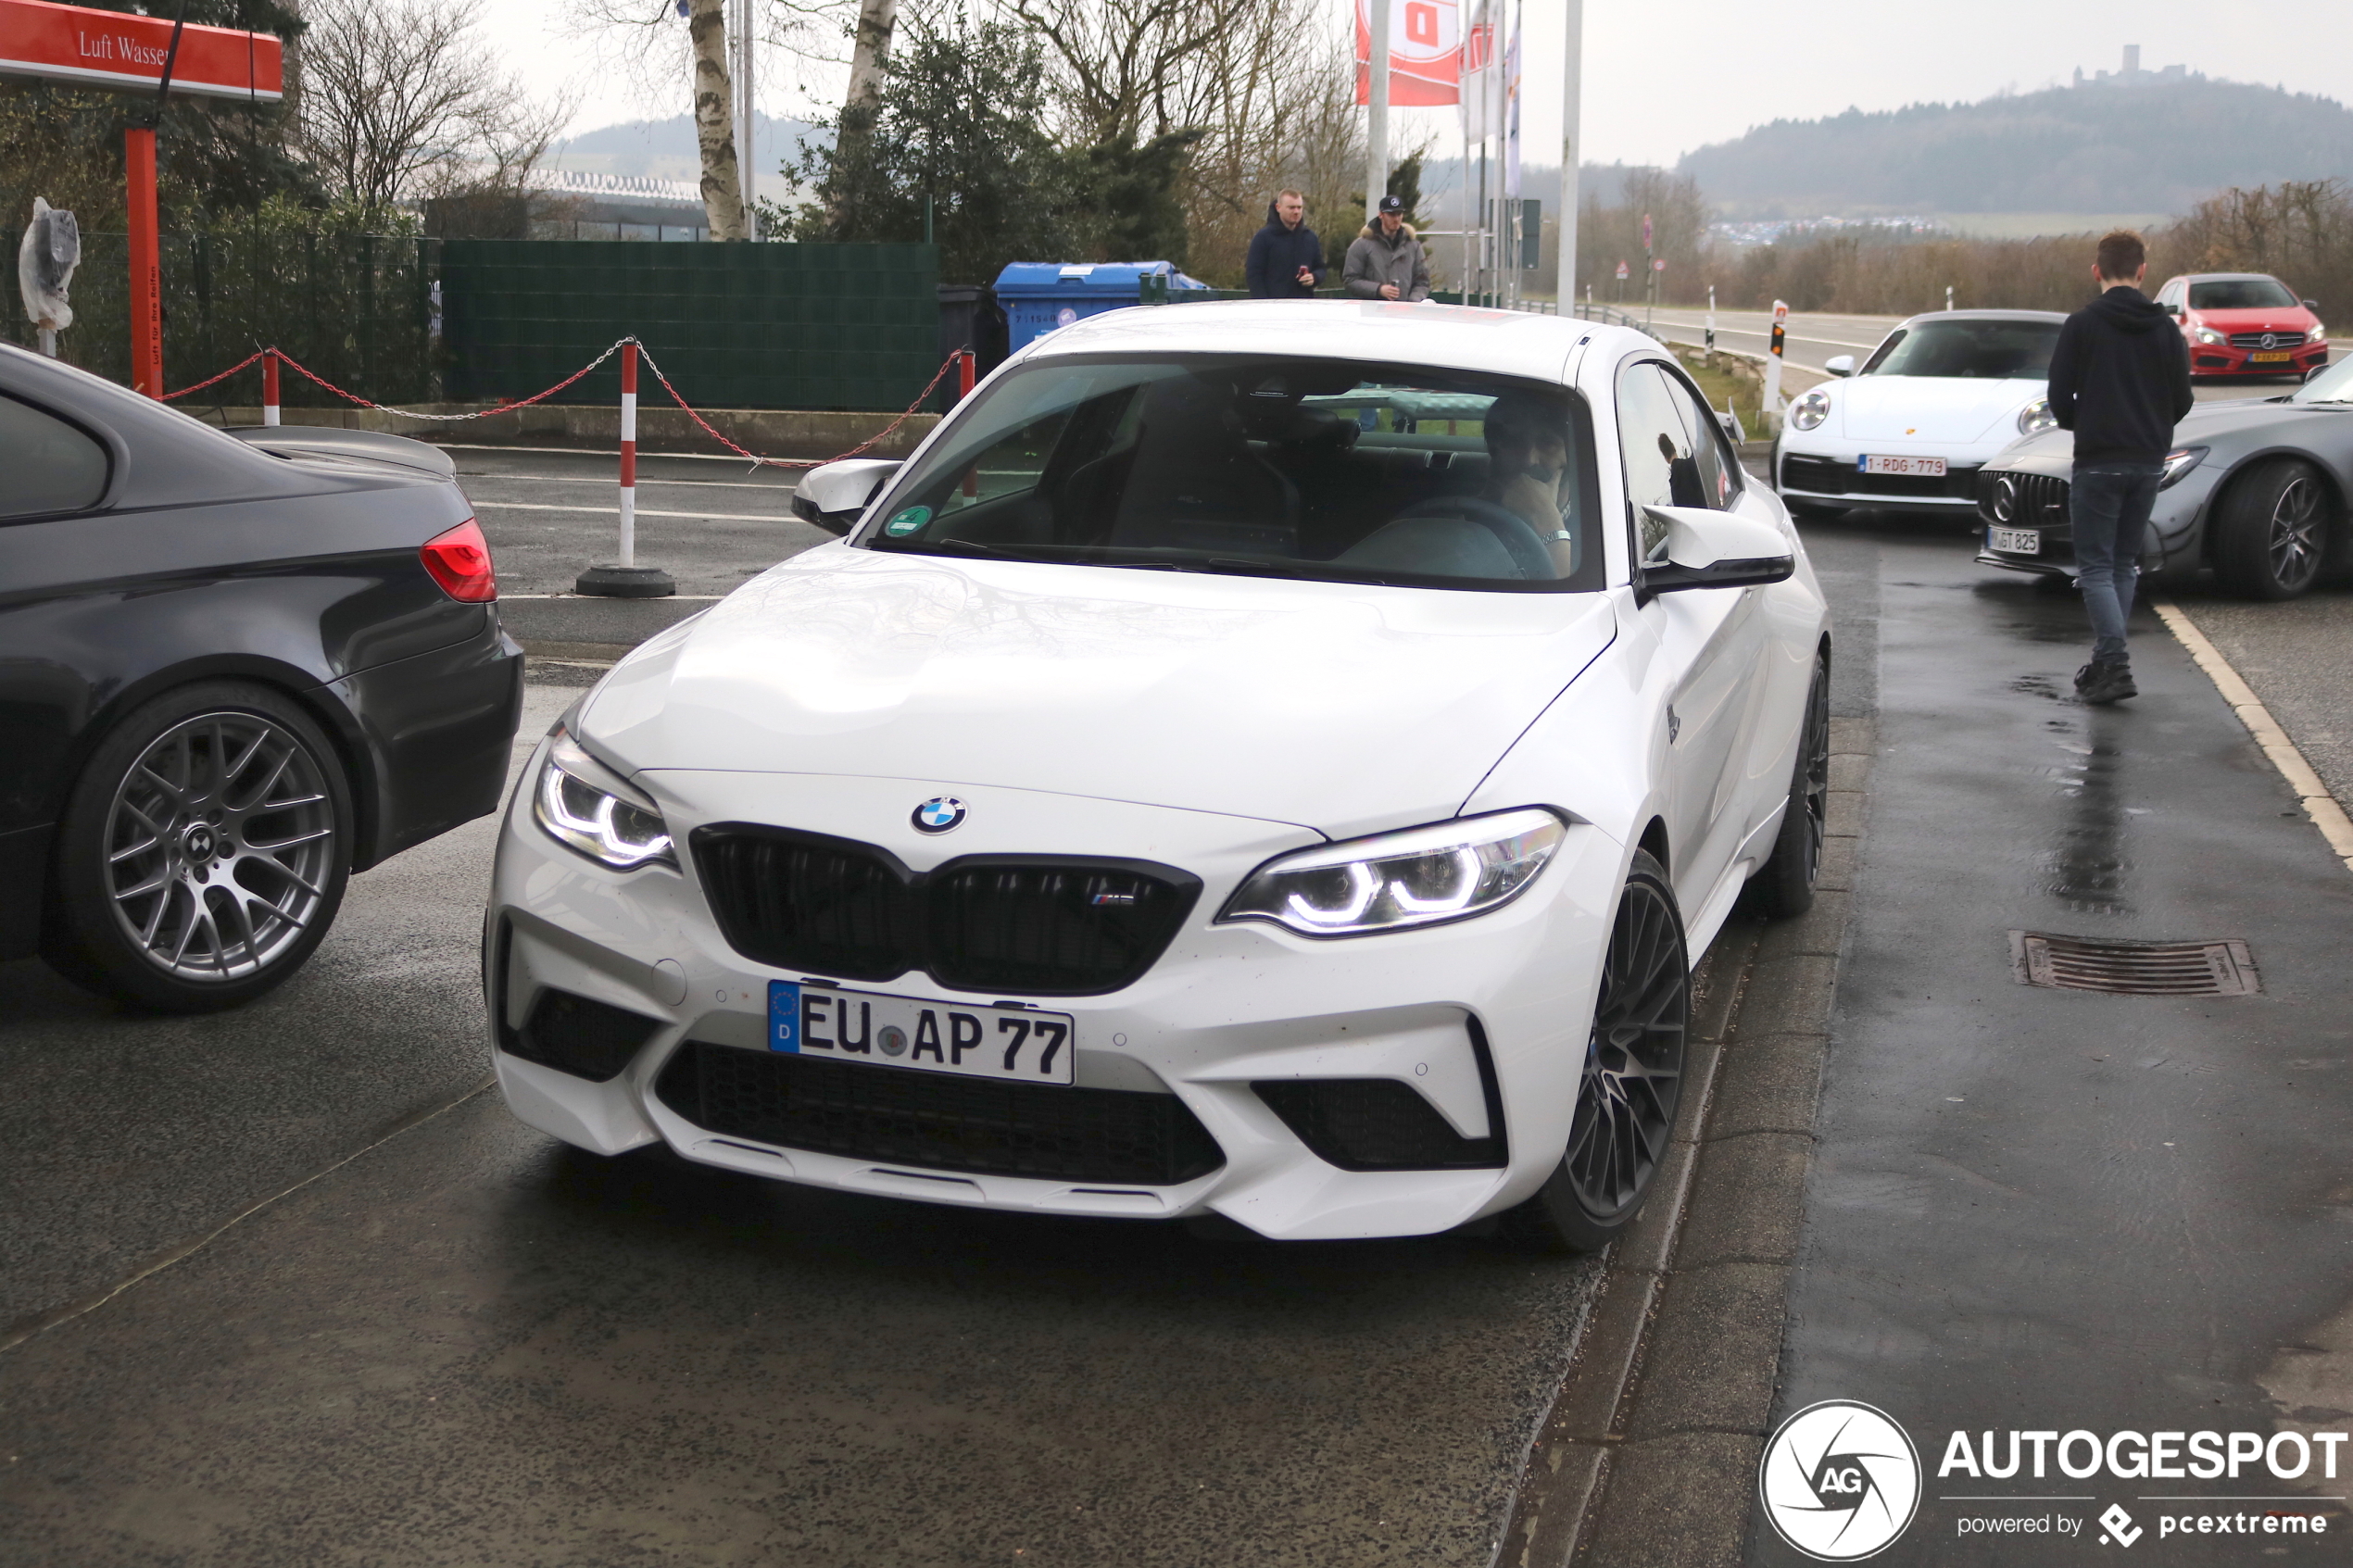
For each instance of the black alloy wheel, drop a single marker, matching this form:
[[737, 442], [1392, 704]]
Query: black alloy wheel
[[1784, 885], [2273, 529], [203, 853], [1632, 1080]]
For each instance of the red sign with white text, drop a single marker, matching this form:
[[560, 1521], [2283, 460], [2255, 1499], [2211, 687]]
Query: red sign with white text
[[1425, 53], [113, 49]]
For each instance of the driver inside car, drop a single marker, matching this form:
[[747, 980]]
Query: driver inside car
[[1528, 473]]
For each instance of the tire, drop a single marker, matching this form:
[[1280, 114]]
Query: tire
[[1783, 886], [1632, 1081], [203, 852], [2273, 529]]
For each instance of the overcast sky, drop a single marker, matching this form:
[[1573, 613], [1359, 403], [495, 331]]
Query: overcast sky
[[1664, 76]]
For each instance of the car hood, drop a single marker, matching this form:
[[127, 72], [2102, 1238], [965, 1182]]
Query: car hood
[[1930, 408], [2053, 451], [1344, 708]]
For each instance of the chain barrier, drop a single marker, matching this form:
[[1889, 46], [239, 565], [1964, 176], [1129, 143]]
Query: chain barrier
[[867, 445]]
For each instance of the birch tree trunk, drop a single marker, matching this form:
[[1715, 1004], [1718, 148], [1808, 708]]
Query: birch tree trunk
[[722, 196], [876, 19]]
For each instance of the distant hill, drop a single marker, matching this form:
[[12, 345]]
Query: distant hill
[[2089, 149], [665, 149]]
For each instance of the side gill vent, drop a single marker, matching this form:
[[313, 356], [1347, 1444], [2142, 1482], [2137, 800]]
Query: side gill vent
[[2220, 967]]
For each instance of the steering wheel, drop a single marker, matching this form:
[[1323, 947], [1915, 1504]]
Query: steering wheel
[[1511, 529]]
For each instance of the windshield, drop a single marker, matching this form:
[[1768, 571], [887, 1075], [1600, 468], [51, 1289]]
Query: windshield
[[2242, 293], [2331, 385], [1314, 469], [1987, 350]]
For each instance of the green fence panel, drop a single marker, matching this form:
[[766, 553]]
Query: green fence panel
[[353, 308], [759, 326]]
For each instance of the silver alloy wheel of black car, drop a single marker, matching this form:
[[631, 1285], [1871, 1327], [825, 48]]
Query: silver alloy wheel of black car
[[2294, 543], [2272, 530], [1632, 1078], [220, 845]]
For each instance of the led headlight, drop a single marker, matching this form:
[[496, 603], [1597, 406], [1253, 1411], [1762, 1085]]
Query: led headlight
[[588, 807], [1422, 876], [1810, 410], [2208, 335], [2179, 461], [2036, 418], [2318, 334]]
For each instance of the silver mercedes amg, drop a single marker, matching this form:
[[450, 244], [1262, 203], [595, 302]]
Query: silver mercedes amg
[[2254, 489]]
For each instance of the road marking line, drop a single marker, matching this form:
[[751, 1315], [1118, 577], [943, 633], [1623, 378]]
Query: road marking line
[[25, 1329], [615, 511], [2327, 814]]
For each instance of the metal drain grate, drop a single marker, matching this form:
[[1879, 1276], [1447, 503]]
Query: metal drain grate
[[2133, 969]]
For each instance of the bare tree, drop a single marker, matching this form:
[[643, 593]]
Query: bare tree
[[398, 101]]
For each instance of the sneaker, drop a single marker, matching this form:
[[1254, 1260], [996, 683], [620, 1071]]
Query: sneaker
[[2104, 681]]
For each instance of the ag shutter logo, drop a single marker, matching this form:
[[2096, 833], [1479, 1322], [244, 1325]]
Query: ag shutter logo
[[939, 814], [1840, 1481]]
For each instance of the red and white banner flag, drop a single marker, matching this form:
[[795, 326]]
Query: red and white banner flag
[[1425, 52]]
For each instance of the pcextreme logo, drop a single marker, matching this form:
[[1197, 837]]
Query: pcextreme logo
[[1840, 1481]]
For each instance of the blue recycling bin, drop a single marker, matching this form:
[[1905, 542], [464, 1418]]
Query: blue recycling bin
[[1038, 296]]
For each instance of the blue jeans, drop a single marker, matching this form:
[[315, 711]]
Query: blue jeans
[[2108, 506]]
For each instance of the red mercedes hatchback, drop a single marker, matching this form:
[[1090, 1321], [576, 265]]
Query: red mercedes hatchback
[[2244, 324]]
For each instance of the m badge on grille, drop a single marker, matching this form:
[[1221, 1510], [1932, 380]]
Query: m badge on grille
[[939, 814]]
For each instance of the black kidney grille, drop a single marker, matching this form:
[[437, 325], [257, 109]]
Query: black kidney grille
[[1033, 927], [936, 1121], [1040, 927]]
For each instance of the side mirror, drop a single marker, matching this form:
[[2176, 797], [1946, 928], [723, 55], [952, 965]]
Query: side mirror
[[2313, 306], [1839, 364], [1711, 549], [832, 495], [1733, 430]]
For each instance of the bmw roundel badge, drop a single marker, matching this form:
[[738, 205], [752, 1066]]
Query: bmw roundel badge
[[939, 814]]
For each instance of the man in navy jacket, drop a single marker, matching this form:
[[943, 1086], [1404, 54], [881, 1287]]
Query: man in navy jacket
[[2120, 379], [1286, 258]]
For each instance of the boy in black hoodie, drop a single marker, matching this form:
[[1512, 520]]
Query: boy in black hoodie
[[2119, 380], [1285, 259]]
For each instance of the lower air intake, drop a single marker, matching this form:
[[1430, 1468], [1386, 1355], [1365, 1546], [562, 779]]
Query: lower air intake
[[1373, 1125], [574, 1035], [936, 1121]]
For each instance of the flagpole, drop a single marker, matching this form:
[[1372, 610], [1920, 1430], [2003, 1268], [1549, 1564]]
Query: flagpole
[[1376, 113], [1572, 75]]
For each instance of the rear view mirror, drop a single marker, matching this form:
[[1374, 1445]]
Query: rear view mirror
[[2169, 308], [1839, 364], [1712, 549], [832, 495], [2313, 306]]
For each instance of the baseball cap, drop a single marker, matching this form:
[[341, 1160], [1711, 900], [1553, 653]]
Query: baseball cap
[[1391, 204]]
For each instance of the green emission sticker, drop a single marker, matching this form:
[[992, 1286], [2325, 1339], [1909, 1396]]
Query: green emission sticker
[[908, 522]]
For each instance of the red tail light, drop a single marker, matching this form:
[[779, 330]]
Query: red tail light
[[460, 561]]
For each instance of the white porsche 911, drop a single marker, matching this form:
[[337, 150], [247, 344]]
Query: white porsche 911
[[1939, 397], [1275, 760]]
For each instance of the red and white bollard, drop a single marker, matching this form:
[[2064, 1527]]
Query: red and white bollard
[[269, 386], [624, 579]]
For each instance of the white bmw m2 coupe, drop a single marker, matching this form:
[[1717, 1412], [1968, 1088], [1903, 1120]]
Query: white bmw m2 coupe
[[1277, 761]]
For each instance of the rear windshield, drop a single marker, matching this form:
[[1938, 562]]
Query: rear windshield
[[1311, 468], [1972, 350], [2242, 293]]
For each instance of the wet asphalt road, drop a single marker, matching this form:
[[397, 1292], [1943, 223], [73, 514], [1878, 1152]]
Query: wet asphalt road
[[2038, 1209]]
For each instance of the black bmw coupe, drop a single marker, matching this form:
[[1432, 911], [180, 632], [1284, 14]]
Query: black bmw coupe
[[234, 668]]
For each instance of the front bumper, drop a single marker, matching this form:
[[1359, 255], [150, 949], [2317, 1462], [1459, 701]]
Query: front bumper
[[1831, 476], [2221, 360], [2176, 531], [1486, 1021]]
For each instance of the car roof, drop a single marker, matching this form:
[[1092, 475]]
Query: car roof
[[2223, 277], [1514, 343]]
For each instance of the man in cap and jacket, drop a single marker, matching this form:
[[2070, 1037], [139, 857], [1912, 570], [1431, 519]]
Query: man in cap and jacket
[[1386, 261]]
